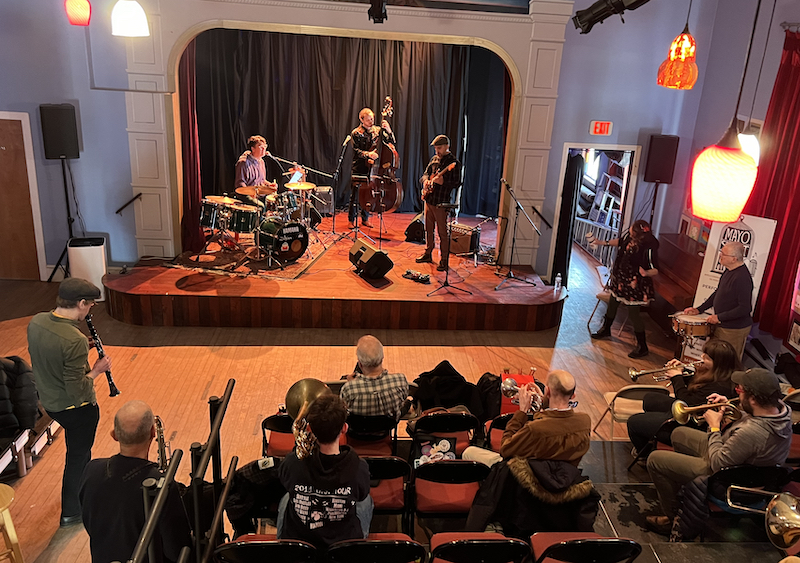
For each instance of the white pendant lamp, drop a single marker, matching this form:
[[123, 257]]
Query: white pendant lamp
[[129, 20]]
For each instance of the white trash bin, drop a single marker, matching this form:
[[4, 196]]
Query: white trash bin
[[87, 260]]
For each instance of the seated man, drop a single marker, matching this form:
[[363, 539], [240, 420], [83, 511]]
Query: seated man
[[328, 491], [111, 494], [762, 436], [556, 433], [374, 391]]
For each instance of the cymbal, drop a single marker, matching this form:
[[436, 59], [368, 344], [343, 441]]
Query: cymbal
[[301, 186], [222, 200], [255, 191]]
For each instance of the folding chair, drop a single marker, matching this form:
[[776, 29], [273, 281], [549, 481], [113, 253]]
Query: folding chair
[[372, 435], [386, 548], [458, 425], [477, 547], [389, 486], [250, 548], [281, 438], [577, 547], [626, 402], [495, 429]]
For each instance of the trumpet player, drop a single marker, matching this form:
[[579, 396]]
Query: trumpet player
[[762, 436], [111, 493], [556, 432], [713, 376]]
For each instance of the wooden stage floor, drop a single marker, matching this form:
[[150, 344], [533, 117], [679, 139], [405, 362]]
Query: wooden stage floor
[[330, 294]]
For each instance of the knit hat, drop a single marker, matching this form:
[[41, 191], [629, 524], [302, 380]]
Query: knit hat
[[440, 140], [75, 289], [757, 381]]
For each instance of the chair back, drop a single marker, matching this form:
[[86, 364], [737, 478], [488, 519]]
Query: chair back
[[458, 425], [372, 435], [474, 549], [388, 478], [603, 550], [495, 429], [371, 550], [447, 486], [281, 439], [770, 478], [637, 392], [336, 385], [248, 551]]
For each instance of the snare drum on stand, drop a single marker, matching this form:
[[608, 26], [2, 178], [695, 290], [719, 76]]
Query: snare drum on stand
[[689, 328]]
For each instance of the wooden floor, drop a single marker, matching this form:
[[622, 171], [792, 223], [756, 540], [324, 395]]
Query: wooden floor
[[176, 369]]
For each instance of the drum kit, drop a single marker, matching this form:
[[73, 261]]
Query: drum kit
[[280, 228]]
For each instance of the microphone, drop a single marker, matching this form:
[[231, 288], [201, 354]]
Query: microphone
[[503, 180], [347, 140]]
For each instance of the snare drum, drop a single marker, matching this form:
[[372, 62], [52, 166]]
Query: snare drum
[[691, 325], [243, 218], [286, 241], [209, 214]]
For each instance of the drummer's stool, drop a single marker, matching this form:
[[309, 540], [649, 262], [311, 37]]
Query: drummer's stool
[[12, 550]]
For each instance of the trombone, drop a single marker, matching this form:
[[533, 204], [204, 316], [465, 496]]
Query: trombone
[[634, 375], [682, 412]]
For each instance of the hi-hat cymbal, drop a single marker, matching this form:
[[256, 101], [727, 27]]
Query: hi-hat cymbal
[[301, 186], [222, 200], [256, 191]]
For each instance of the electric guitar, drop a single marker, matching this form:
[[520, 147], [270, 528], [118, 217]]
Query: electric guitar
[[427, 189]]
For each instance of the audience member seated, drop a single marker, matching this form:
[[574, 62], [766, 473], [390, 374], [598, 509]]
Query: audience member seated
[[327, 496], [111, 494], [374, 391], [761, 437], [557, 432], [712, 376]]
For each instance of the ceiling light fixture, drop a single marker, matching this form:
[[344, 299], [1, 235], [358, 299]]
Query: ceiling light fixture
[[129, 20], [723, 174], [679, 70], [79, 12]]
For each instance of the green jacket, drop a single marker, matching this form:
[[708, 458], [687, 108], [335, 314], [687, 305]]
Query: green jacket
[[60, 358]]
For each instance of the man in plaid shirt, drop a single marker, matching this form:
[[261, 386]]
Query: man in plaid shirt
[[374, 391], [438, 183]]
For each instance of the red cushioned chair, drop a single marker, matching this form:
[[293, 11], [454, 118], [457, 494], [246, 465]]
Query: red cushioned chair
[[261, 547], [372, 435], [281, 440], [495, 429], [458, 425], [582, 547], [386, 548], [445, 489], [477, 547], [388, 485]]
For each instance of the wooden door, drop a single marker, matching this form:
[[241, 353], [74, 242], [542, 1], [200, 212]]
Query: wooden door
[[18, 259]]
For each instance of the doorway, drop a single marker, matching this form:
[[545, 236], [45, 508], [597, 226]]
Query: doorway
[[597, 196]]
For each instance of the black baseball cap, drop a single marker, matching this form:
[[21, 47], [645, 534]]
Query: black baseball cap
[[757, 381], [75, 289]]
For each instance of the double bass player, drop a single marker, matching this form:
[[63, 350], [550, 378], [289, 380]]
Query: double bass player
[[365, 144]]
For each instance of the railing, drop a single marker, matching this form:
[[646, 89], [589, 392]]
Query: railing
[[605, 254]]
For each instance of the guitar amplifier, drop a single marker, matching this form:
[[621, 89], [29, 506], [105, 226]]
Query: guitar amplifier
[[325, 193], [464, 239]]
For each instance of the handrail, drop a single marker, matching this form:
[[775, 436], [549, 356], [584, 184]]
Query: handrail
[[131, 200], [216, 523]]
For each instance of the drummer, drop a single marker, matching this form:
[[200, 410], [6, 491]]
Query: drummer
[[251, 170]]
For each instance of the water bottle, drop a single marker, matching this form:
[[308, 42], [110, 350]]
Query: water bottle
[[557, 286]]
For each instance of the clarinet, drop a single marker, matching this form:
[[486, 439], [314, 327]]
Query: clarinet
[[99, 345]]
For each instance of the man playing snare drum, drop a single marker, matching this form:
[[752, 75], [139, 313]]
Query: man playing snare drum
[[732, 300]]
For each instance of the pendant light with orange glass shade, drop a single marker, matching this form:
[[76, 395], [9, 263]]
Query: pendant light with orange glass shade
[[79, 12], [679, 70], [723, 175]]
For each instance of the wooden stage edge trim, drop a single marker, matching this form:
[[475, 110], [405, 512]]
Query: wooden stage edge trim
[[160, 309]]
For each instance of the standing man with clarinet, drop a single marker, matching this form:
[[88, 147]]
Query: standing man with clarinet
[[60, 357]]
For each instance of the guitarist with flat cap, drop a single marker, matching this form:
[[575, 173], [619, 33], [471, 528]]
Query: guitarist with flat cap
[[441, 177]]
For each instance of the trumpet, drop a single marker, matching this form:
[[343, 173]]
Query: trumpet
[[510, 388], [164, 449], [682, 412], [634, 375]]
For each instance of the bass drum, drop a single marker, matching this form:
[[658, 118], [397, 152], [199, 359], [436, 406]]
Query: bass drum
[[286, 241]]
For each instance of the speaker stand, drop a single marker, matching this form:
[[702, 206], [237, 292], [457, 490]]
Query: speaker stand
[[446, 283], [653, 208], [70, 220]]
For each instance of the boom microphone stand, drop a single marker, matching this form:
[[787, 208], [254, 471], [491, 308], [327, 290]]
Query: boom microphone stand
[[509, 275]]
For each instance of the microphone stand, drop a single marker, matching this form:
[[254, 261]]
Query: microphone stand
[[446, 283], [509, 275], [324, 175]]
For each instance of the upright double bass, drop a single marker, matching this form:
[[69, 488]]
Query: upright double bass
[[384, 192]]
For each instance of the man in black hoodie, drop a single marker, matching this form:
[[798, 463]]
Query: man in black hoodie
[[328, 491]]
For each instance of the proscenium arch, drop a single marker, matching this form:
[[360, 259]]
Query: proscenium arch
[[173, 100]]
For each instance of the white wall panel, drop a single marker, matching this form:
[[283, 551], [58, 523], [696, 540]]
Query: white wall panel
[[543, 66], [537, 122], [152, 212], [145, 54], [148, 159]]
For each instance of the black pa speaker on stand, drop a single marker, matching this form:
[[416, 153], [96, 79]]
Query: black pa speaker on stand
[[370, 262], [415, 232], [660, 167]]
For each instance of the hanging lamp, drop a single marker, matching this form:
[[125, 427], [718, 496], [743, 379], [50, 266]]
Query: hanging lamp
[[79, 12], [723, 174], [679, 70], [129, 20]]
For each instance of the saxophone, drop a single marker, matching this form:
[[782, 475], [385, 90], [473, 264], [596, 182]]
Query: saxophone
[[164, 449]]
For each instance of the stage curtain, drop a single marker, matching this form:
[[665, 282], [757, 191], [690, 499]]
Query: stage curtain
[[303, 93], [776, 188], [191, 232]]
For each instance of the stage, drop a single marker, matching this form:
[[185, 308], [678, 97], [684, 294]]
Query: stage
[[328, 293]]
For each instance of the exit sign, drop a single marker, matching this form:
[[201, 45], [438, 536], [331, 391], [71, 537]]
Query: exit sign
[[600, 128]]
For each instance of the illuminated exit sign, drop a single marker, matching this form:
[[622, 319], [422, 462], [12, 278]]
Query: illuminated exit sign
[[600, 128]]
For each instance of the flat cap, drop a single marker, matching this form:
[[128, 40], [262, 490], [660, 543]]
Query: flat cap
[[440, 140], [75, 289], [757, 381]]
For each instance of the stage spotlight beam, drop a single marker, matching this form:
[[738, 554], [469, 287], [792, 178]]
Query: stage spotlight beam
[[602, 9], [377, 11]]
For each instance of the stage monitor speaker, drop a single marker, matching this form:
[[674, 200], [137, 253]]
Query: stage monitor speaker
[[415, 232], [370, 262], [661, 156], [59, 131]]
